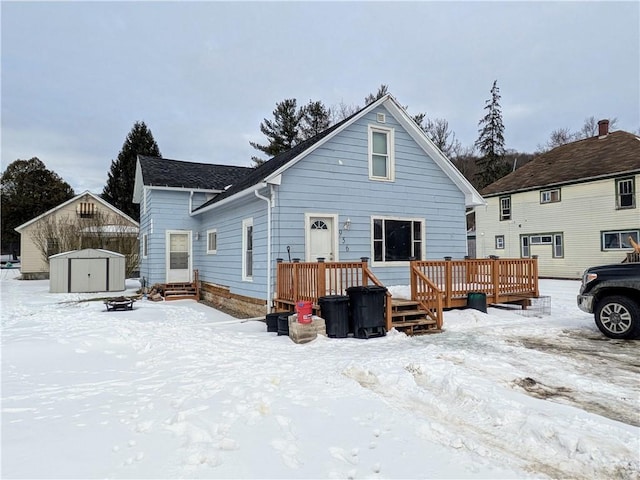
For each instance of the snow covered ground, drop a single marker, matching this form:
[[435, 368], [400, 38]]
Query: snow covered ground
[[180, 390]]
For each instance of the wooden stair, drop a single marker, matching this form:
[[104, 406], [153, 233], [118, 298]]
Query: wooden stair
[[181, 291], [408, 317]]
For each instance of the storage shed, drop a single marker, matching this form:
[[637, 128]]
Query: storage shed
[[88, 270]]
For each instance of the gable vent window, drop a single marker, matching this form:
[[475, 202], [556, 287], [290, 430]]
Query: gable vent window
[[380, 118], [86, 210]]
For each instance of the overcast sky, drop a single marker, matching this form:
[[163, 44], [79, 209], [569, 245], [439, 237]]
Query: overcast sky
[[76, 76]]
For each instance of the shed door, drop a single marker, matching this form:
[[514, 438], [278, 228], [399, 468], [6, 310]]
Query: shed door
[[178, 256], [88, 275]]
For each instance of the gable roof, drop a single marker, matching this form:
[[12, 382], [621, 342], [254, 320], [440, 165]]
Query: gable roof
[[97, 198], [165, 172], [617, 153], [270, 170]]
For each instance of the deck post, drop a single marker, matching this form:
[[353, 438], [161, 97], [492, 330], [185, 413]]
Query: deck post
[[448, 282], [365, 266], [495, 273], [534, 275], [414, 282], [322, 277], [296, 264]]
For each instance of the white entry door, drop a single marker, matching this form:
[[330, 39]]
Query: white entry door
[[178, 256], [321, 240]]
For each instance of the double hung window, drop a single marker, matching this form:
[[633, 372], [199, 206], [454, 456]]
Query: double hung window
[[381, 158]]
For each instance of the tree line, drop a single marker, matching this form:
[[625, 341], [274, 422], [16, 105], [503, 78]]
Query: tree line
[[29, 189]]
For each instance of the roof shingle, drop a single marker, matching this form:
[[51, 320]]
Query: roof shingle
[[617, 153], [166, 172]]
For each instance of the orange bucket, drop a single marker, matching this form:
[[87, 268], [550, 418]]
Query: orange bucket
[[304, 311]]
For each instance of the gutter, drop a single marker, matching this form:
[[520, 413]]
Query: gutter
[[224, 201], [269, 207]]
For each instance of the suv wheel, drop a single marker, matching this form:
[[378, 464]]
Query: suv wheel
[[618, 317]]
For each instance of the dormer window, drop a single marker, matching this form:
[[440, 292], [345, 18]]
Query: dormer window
[[86, 210]]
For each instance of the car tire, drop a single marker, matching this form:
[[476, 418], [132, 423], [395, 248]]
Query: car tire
[[618, 317]]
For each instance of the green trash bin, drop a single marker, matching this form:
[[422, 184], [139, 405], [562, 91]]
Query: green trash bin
[[477, 301]]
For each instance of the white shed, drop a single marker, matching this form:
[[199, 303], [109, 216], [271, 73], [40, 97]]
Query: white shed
[[88, 270]]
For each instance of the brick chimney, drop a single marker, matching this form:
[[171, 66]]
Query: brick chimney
[[603, 128]]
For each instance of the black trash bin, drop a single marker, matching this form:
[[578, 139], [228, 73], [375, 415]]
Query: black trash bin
[[335, 311], [283, 323], [367, 309], [272, 321], [477, 301]]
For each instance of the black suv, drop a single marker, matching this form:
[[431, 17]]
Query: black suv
[[612, 293]]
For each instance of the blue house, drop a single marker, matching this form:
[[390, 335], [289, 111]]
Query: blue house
[[373, 185]]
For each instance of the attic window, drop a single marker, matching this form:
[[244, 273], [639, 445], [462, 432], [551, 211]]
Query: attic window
[[86, 210], [550, 196], [380, 118]]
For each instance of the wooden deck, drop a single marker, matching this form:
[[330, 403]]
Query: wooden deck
[[435, 285]]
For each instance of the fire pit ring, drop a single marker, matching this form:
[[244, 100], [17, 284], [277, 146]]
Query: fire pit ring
[[119, 303]]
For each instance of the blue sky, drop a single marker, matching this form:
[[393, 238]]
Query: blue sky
[[76, 76]]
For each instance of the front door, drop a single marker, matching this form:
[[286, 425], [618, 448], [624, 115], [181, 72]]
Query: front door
[[178, 256], [321, 238]]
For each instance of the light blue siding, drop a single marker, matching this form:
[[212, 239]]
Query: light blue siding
[[166, 210], [333, 179]]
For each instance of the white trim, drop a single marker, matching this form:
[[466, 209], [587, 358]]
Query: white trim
[[334, 240], [247, 222], [400, 219], [391, 167], [145, 245], [70, 201], [209, 232]]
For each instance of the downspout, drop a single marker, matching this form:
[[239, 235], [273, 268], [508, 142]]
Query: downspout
[[269, 205], [191, 203]]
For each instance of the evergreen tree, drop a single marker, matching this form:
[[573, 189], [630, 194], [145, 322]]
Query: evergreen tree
[[121, 178], [283, 132], [490, 143], [315, 118], [28, 189], [372, 97]]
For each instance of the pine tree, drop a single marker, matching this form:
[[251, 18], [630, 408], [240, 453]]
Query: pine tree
[[28, 189], [492, 165], [121, 178], [372, 97], [315, 118], [283, 132]]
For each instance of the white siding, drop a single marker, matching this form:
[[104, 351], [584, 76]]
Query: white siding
[[585, 210]]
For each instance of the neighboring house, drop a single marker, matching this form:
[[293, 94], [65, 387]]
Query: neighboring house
[[85, 221], [371, 186], [574, 206]]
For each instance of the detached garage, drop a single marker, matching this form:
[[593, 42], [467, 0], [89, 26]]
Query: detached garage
[[85, 271]]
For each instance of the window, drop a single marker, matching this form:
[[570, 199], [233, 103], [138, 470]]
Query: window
[[555, 240], [53, 246], [499, 242], [540, 240], [625, 193], [505, 208], [396, 240], [86, 210], [145, 245], [247, 249], [558, 251], [524, 241], [617, 240], [212, 241], [381, 163], [550, 196]]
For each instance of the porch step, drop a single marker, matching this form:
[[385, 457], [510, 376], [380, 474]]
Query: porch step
[[180, 291], [408, 317]]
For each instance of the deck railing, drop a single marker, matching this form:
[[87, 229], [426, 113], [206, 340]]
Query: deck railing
[[308, 281], [498, 278], [427, 294]]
